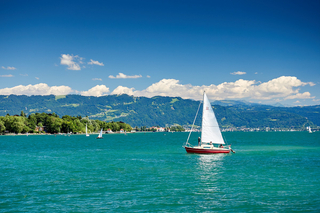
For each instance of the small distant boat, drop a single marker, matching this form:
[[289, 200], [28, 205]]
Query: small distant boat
[[211, 141], [87, 131], [309, 129], [100, 135]]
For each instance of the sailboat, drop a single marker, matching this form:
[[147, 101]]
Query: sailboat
[[100, 135], [211, 141], [309, 129], [87, 131]]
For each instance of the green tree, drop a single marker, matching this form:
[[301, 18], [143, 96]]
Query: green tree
[[177, 129], [2, 126], [22, 114], [17, 125], [115, 127], [32, 122], [95, 126], [53, 124]]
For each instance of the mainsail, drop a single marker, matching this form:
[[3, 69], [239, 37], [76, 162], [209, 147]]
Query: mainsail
[[210, 128]]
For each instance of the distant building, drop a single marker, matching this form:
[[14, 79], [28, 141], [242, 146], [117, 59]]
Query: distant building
[[40, 128], [158, 129]]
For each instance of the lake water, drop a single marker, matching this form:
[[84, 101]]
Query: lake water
[[151, 172]]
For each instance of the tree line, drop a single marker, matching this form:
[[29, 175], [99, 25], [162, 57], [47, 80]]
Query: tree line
[[51, 123]]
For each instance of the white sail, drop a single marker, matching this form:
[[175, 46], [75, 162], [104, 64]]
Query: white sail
[[100, 134], [210, 128], [86, 130]]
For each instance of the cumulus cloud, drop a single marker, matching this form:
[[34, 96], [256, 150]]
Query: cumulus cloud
[[305, 95], [123, 90], [284, 87], [6, 76], [44, 89], [97, 79], [71, 61], [9, 68], [98, 90], [238, 73], [95, 62], [121, 75], [148, 76], [37, 89]]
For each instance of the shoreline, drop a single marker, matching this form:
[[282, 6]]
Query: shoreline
[[25, 134]]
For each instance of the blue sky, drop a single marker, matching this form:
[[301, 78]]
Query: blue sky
[[259, 51]]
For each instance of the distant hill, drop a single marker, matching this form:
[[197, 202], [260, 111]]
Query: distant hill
[[161, 111]]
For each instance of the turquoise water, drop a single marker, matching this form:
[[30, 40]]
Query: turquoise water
[[270, 172]]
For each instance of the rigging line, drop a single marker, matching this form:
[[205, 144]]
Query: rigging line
[[225, 140], [193, 123]]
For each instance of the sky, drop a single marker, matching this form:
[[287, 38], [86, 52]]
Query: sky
[[258, 51]]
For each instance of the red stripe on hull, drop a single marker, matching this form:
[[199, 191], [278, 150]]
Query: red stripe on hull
[[206, 151]]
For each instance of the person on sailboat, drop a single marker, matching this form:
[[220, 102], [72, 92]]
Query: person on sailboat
[[199, 141]]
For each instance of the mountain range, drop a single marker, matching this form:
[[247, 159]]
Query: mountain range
[[162, 111]]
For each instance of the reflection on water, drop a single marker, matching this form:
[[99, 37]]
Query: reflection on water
[[211, 162], [210, 166], [210, 169]]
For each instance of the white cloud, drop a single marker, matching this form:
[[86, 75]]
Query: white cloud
[[69, 60], [37, 89], [6, 76], [123, 90], [9, 68], [148, 76], [305, 95], [44, 89], [37, 78], [98, 90], [121, 75], [97, 79], [24, 74], [95, 62], [238, 73], [284, 87]]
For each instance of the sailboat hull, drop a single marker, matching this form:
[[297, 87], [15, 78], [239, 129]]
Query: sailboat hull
[[206, 151]]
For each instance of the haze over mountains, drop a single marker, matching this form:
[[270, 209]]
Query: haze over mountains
[[162, 111]]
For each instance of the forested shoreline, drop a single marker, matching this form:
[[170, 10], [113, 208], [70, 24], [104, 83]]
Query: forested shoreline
[[52, 123]]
